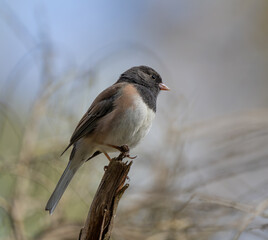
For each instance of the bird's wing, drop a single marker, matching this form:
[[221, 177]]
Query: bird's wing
[[102, 105]]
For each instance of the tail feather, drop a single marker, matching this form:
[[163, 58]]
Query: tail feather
[[60, 188]]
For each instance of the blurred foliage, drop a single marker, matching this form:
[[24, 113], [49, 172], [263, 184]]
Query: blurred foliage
[[203, 179], [173, 206]]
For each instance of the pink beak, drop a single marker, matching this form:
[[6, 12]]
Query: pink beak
[[164, 87]]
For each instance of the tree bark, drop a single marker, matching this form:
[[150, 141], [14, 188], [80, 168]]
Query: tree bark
[[99, 222]]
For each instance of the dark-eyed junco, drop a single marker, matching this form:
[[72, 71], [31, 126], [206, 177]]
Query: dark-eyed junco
[[120, 115]]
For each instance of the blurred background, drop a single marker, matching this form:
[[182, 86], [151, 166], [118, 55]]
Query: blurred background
[[201, 173]]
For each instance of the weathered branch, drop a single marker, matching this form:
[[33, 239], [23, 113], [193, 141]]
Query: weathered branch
[[99, 223]]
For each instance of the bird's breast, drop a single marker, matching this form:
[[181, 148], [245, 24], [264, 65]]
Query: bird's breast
[[131, 124], [138, 122]]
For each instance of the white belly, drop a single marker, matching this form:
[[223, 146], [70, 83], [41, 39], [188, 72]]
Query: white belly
[[133, 126]]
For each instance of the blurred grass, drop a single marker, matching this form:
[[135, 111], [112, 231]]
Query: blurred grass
[[201, 180], [177, 204]]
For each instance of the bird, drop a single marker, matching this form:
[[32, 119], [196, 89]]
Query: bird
[[121, 115]]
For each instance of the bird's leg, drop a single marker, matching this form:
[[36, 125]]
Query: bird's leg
[[106, 155], [124, 149]]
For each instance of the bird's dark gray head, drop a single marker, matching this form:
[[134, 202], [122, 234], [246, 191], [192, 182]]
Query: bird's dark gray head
[[143, 76], [147, 81]]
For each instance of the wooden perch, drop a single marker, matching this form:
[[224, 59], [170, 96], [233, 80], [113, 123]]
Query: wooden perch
[[99, 223]]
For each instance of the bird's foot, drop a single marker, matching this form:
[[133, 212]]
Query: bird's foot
[[128, 156], [124, 149]]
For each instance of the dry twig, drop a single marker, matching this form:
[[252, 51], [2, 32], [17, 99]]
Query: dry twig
[[99, 221]]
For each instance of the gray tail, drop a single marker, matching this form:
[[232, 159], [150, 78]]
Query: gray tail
[[60, 188]]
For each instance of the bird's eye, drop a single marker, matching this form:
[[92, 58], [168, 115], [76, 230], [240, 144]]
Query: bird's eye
[[153, 77]]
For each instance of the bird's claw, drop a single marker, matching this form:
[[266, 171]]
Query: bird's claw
[[128, 156], [124, 148]]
